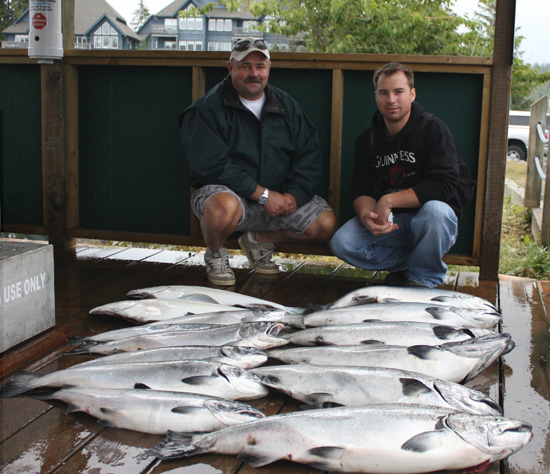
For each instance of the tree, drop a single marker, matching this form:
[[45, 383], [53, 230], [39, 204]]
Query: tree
[[361, 26], [480, 42], [140, 16], [11, 10]]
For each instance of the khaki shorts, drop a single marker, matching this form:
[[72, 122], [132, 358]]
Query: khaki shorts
[[256, 219]]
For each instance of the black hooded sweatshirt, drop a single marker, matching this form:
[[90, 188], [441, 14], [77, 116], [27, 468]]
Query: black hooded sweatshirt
[[429, 165]]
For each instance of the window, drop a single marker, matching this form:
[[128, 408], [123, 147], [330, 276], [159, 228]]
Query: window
[[211, 24], [186, 23], [21, 38], [190, 45], [80, 42], [169, 45], [105, 37], [219, 46], [219, 24], [228, 26]]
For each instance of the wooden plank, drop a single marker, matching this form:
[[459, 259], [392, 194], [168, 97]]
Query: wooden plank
[[526, 386]]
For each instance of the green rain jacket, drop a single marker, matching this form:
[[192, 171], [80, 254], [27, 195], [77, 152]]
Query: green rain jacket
[[225, 143]]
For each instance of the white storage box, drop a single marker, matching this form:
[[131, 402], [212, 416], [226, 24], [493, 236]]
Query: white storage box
[[27, 301]]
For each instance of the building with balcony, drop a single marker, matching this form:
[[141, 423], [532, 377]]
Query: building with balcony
[[97, 25], [217, 30]]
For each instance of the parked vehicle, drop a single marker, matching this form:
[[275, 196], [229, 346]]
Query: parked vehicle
[[518, 134]]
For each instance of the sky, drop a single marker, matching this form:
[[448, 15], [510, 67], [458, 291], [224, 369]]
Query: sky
[[531, 16]]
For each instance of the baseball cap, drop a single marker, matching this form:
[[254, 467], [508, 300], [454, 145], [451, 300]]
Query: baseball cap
[[243, 47]]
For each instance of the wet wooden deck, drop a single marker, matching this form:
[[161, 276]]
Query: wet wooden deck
[[40, 437]]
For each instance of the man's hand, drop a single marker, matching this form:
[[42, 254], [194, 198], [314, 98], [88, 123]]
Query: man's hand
[[374, 215], [276, 204]]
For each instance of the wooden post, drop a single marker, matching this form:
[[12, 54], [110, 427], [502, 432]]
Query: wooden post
[[536, 149], [336, 139], [198, 88], [496, 166], [53, 153]]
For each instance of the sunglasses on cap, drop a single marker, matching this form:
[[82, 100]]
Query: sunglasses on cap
[[243, 45]]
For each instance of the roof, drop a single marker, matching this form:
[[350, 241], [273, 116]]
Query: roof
[[87, 13], [171, 10]]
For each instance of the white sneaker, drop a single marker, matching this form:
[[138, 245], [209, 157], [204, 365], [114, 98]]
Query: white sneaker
[[259, 254], [218, 270]]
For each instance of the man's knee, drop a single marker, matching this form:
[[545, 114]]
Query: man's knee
[[222, 208], [322, 228]]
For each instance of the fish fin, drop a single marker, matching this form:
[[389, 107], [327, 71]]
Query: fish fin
[[186, 410], [197, 380], [108, 411], [364, 300], [71, 408], [176, 445], [85, 347], [411, 387], [327, 452], [423, 442], [479, 468], [423, 352], [198, 297], [370, 320], [367, 342], [21, 382], [331, 405], [43, 394], [255, 460], [436, 312], [107, 424], [318, 398], [322, 466], [142, 386], [445, 332]]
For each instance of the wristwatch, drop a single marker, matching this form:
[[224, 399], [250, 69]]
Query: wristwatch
[[264, 197]]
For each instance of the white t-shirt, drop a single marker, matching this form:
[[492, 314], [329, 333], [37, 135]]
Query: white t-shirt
[[255, 106]]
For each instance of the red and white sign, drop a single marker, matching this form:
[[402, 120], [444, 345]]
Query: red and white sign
[[39, 21]]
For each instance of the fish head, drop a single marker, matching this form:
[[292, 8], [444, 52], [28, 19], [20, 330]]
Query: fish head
[[261, 335], [495, 435], [466, 399], [232, 412], [244, 357], [473, 318], [243, 381], [486, 349], [464, 300]]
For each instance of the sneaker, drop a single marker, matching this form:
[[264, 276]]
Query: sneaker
[[399, 278], [218, 270], [258, 254]]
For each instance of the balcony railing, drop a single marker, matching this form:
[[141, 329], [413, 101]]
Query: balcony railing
[[243, 32], [164, 30], [15, 45]]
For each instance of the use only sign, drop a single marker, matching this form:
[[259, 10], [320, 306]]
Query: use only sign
[[27, 300]]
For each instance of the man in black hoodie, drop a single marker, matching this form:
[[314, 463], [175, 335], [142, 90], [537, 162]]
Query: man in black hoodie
[[404, 189]]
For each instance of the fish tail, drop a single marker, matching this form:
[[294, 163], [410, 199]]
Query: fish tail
[[19, 383], [85, 346], [176, 445], [75, 340]]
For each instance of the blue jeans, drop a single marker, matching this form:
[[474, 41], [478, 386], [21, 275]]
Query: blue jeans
[[419, 244]]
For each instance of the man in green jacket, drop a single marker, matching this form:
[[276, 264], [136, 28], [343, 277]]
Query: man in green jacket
[[255, 160]]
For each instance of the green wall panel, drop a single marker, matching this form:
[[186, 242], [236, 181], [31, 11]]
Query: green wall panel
[[21, 153], [133, 176]]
